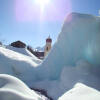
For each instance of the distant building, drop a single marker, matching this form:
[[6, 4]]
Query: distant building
[[47, 46], [42, 54], [39, 54], [18, 44]]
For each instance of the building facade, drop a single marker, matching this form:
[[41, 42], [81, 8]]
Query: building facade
[[47, 46]]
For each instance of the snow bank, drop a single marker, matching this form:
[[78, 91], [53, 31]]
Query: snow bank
[[81, 91], [79, 39], [83, 72], [75, 57], [22, 51], [12, 88], [17, 64]]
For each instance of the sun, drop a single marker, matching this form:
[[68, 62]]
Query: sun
[[42, 3]]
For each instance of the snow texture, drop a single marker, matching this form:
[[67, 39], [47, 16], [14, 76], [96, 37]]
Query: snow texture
[[75, 57], [12, 88], [17, 64], [82, 72], [21, 50], [79, 39], [81, 92]]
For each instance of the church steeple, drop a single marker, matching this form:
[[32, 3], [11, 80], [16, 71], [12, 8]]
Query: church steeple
[[48, 45], [49, 39]]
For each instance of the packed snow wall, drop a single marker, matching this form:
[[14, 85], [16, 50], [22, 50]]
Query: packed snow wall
[[78, 40]]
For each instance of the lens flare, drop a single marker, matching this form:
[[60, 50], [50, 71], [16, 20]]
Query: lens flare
[[42, 10], [42, 2]]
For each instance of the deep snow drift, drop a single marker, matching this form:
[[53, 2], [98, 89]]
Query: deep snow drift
[[21, 50], [79, 39], [12, 88], [17, 64], [81, 92], [75, 57], [82, 72]]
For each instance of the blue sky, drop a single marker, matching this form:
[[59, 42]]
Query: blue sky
[[23, 20]]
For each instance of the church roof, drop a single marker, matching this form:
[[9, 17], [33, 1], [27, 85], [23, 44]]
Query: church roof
[[49, 39]]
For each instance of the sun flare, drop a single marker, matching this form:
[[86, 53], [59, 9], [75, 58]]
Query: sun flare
[[42, 3]]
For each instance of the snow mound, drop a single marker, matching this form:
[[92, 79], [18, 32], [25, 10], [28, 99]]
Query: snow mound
[[17, 64], [12, 88], [81, 91], [22, 51], [17, 56], [82, 72]]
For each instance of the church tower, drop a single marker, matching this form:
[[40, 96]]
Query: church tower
[[47, 46]]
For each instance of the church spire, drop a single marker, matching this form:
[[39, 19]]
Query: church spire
[[48, 45]]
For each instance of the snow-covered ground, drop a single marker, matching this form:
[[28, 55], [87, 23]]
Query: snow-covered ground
[[17, 64], [21, 50], [74, 58], [82, 72], [12, 88], [81, 92]]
